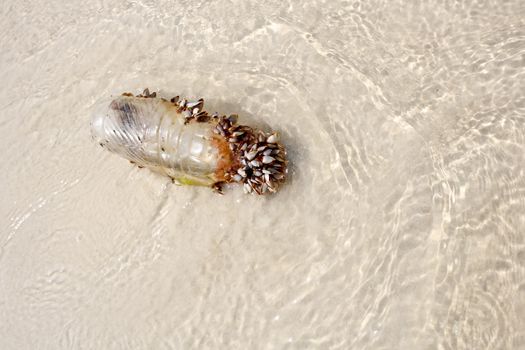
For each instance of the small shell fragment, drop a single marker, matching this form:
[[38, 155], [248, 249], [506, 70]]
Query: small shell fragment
[[195, 103], [273, 138], [251, 155], [268, 159]]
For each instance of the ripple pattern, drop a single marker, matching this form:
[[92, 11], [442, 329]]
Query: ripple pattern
[[402, 225]]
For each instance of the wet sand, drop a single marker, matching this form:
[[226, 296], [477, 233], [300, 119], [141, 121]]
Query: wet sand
[[402, 225]]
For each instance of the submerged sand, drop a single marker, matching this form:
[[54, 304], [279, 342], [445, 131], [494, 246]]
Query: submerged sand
[[402, 224]]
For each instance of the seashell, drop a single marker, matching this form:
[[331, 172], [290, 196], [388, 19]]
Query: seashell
[[273, 138], [202, 117], [241, 172], [195, 103], [267, 159], [251, 155], [221, 130]]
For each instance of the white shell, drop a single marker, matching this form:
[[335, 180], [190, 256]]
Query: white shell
[[251, 155], [267, 159], [241, 172], [255, 163], [272, 138]]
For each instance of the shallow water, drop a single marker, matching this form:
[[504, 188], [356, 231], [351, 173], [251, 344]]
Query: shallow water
[[402, 225]]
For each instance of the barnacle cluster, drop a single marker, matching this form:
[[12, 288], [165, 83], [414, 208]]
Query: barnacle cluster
[[261, 165]]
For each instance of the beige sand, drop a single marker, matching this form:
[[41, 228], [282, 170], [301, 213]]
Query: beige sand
[[401, 227]]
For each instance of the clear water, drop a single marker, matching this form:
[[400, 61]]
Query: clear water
[[402, 225]]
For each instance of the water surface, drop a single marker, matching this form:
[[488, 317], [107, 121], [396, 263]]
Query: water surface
[[402, 225]]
